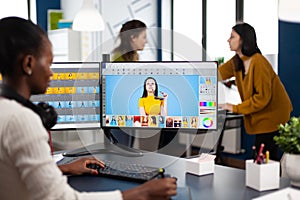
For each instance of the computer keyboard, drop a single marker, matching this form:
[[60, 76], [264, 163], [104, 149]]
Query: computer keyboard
[[126, 171]]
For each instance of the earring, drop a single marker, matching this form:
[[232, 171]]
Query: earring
[[29, 72]]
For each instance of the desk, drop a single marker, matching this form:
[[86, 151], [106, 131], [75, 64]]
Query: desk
[[226, 183]]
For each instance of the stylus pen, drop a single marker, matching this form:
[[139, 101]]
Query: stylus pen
[[161, 172]]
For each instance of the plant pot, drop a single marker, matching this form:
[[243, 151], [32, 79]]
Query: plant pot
[[292, 168]]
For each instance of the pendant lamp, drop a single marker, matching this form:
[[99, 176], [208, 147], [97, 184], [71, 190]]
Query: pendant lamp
[[88, 18]]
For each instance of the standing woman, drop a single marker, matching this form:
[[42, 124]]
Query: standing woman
[[133, 38], [27, 168], [265, 102]]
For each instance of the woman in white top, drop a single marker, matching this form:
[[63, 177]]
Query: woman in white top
[[27, 169]]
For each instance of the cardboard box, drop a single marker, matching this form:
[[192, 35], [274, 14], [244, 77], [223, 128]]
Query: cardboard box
[[262, 177]]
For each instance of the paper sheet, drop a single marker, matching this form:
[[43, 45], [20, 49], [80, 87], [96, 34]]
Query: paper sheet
[[228, 95], [284, 194], [58, 157], [204, 157]]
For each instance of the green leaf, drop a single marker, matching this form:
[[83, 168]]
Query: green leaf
[[289, 136]]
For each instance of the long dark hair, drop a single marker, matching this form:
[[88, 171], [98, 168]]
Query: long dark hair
[[130, 29], [145, 93], [249, 45], [153, 119], [18, 37]]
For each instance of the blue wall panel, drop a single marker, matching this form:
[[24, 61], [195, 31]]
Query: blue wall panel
[[289, 61], [41, 10]]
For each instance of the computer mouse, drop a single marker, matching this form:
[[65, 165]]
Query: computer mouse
[[94, 166]]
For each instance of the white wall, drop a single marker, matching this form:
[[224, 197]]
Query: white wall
[[289, 10], [70, 8]]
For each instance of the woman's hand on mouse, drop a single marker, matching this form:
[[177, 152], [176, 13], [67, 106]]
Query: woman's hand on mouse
[[79, 166]]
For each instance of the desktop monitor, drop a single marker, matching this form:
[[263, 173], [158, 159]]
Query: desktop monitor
[[159, 95], [74, 92]]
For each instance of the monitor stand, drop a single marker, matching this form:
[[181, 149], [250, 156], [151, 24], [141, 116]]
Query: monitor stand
[[108, 147]]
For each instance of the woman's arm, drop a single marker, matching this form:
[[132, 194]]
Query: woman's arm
[[164, 106], [142, 111], [159, 189], [164, 109], [226, 70]]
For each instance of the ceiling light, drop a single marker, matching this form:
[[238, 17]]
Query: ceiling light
[[88, 18]]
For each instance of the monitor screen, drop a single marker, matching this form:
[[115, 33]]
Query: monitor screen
[[74, 92], [160, 95]]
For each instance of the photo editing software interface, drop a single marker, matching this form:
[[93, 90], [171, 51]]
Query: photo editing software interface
[[160, 95], [74, 92]]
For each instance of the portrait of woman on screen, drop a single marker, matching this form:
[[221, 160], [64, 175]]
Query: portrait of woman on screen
[[150, 103]]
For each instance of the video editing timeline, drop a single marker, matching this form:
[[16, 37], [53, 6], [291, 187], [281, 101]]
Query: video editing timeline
[[74, 92], [191, 89]]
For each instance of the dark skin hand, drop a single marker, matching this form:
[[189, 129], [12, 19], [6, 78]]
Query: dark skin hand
[[156, 189], [79, 166]]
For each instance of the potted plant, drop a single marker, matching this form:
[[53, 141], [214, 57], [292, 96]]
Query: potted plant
[[289, 142]]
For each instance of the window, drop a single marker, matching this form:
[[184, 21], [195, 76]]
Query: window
[[10, 9], [220, 19], [187, 38], [14, 8]]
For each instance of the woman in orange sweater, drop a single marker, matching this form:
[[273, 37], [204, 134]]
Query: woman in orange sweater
[[265, 102]]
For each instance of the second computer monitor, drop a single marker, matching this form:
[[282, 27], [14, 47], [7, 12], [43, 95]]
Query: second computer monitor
[[159, 95], [74, 92]]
